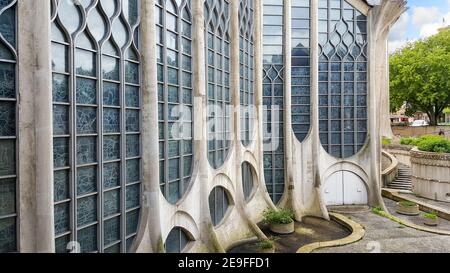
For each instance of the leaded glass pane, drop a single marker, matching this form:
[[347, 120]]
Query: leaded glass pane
[[86, 180], [132, 222], [8, 235], [61, 185], [7, 196], [111, 230], [62, 218], [86, 150], [87, 238], [111, 204], [86, 210], [7, 80], [7, 118], [133, 196]]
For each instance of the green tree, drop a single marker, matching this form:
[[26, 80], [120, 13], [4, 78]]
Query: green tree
[[420, 76]]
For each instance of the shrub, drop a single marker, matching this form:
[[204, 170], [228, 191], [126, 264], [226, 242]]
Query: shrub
[[265, 244], [437, 144], [409, 141], [429, 143], [407, 203], [280, 216], [432, 216]]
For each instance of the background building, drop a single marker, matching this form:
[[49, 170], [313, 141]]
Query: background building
[[171, 125]]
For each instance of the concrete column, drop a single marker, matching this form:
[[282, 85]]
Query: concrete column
[[259, 153], [35, 128], [288, 135], [207, 235], [315, 138], [149, 233]]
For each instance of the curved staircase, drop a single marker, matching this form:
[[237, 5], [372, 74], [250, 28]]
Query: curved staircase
[[403, 180]]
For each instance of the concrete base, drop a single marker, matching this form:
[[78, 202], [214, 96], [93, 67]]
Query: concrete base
[[282, 228]]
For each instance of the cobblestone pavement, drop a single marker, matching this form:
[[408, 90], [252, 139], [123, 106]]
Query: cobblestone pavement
[[386, 236]]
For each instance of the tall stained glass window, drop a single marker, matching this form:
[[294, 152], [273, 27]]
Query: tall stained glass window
[[174, 57], [273, 97], [96, 123], [8, 128], [246, 71], [300, 68], [217, 21], [342, 78]]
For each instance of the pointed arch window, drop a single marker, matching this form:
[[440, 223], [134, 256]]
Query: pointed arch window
[[96, 123], [342, 78], [175, 108], [301, 68], [273, 98], [8, 127], [246, 60], [217, 49]]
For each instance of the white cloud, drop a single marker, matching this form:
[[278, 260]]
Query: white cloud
[[398, 31], [398, 37], [424, 15], [428, 20], [432, 28]]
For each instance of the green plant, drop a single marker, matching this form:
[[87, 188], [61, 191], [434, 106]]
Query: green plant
[[437, 144], [407, 203], [386, 141], [377, 209], [409, 141], [265, 244], [428, 143], [280, 216], [432, 216]]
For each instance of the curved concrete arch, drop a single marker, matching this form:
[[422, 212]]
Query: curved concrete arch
[[186, 221]]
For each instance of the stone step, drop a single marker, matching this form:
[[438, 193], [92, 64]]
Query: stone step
[[399, 187]]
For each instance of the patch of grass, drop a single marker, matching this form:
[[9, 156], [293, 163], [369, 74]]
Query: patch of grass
[[265, 244], [386, 141], [407, 203], [280, 216], [377, 209]]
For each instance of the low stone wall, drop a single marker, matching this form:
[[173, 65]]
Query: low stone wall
[[431, 175], [407, 131], [401, 152], [390, 168]]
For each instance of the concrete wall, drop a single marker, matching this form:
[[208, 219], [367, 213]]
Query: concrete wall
[[308, 165], [431, 175], [406, 131], [401, 153]]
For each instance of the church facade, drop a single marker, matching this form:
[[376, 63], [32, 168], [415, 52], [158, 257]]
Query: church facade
[[171, 125]]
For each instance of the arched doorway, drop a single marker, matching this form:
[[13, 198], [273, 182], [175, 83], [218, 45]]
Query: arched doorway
[[344, 188]]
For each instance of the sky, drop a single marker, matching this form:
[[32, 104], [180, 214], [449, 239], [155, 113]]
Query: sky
[[422, 19]]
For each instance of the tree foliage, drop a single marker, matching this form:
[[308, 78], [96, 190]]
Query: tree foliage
[[420, 76]]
